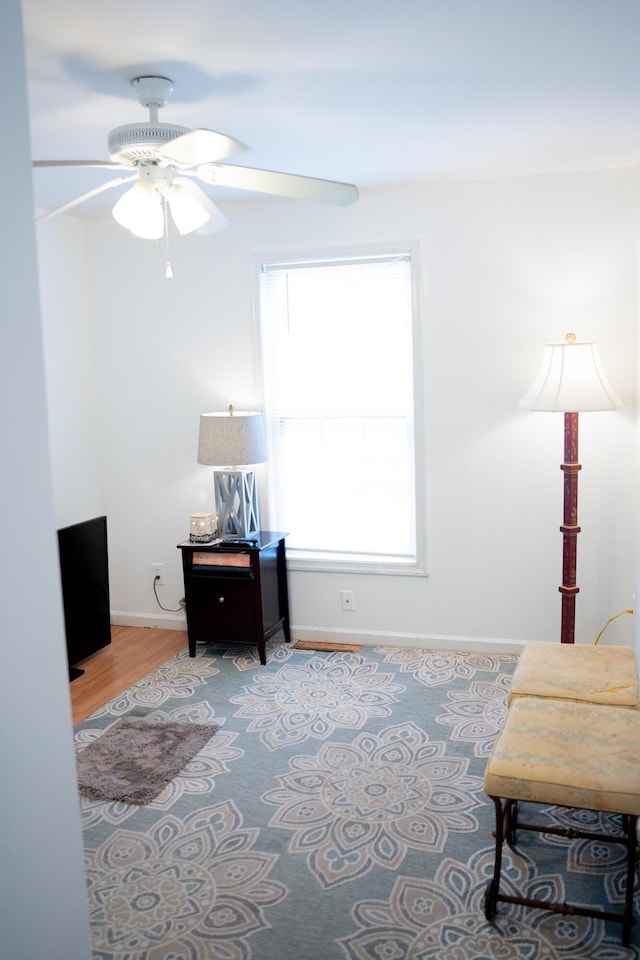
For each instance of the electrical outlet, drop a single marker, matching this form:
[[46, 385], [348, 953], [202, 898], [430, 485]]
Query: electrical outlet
[[347, 600], [158, 572]]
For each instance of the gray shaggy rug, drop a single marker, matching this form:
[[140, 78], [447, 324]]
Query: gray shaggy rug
[[135, 758]]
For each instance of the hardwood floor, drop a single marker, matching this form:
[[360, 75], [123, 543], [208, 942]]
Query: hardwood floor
[[132, 653]]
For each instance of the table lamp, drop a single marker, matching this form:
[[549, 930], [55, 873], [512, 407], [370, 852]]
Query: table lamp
[[234, 442]]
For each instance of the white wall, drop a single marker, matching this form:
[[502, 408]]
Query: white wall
[[43, 911], [507, 265], [637, 513], [70, 370]]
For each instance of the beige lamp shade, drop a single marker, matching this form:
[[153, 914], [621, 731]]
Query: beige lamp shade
[[570, 379], [232, 439]]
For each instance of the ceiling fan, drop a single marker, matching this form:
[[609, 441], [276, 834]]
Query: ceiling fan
[[163, 159]]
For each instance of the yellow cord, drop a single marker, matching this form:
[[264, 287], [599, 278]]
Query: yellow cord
[[608, 622]]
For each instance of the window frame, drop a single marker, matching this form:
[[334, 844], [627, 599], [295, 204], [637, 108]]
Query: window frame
[[332, 564]]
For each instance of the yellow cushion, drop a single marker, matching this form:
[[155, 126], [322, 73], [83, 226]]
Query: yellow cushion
[[577, 672], [570, 753]]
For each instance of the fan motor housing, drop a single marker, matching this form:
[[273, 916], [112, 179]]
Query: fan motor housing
[[133, 142]]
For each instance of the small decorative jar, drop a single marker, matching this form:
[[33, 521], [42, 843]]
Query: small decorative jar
[[202, 527]]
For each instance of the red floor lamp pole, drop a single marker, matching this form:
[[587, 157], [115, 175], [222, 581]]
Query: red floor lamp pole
[[569, 528], [570, 380]]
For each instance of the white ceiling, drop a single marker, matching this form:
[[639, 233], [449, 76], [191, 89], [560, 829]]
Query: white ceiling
[[366, 91]]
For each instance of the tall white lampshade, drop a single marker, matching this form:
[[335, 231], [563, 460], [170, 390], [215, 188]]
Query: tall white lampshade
[[235, 441], [570, 380]]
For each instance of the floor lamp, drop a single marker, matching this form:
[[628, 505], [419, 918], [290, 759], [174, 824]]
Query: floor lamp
[[570, 380], [234, 442]]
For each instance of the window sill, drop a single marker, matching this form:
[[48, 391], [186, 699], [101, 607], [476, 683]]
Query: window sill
[[334, 564]]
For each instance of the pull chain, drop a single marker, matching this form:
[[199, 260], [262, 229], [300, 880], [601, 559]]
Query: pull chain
[[168, 272]]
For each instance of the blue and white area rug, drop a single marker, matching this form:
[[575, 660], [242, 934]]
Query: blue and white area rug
[[338, 814]]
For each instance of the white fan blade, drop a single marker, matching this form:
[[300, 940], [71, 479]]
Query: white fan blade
[[217, 220], [86, 196], [83, 163], [199, 146], [281, 184]]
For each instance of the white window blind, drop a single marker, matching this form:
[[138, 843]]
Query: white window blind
[[337, 341]]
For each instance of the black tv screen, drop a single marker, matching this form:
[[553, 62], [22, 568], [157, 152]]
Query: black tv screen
[[84, 570]]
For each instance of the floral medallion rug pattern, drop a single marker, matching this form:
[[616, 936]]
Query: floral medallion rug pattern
[[337, 814]]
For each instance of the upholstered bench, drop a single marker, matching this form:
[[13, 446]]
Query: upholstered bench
[[569, 754], [577, 672]]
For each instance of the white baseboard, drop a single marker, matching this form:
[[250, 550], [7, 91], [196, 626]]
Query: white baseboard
[[164, 621], [423, 641], [368, 638]]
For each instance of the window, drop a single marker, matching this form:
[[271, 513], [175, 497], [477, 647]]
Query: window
[[338, 364]]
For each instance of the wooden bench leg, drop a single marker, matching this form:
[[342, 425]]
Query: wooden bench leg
[[630, 824], [511, 822], [506, 824], [493, 887]]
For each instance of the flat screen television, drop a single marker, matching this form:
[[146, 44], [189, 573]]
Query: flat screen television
[[84, 571]]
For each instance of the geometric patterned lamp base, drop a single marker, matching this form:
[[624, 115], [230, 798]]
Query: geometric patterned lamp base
[[236, 503]]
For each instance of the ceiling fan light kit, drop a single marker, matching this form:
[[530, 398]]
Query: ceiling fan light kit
[[187, 213], [156, 152], [140, 211]]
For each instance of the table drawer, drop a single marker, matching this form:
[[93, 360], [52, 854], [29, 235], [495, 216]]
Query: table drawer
[[222, 608]]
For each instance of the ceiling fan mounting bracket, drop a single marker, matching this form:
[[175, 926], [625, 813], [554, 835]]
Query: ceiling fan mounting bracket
[[134, 143], [152, 91]]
